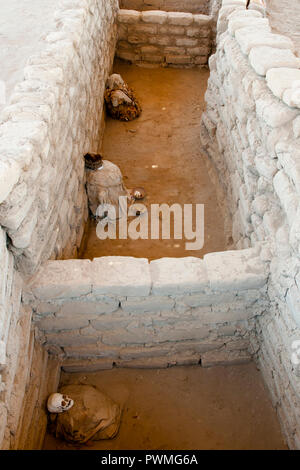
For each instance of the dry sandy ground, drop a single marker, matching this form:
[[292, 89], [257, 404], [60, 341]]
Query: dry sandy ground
[[160, 151], [22, 24], [185, 408]]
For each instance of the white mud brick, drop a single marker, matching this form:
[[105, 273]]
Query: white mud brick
[[245, 14], [274, 113], [121, 336], [235, 270], [187, 359], [178, 276], [224, 14], [124, 276], [3, 420], [238, 344], [32, 132], [87, 365], [178, 59], [233, 2], [70, 338], [181, 331], [110, 322], [291, 96], [92, 350], [188, 42], [264, 58], [129, 353], [296, 127], [226, 315], [62, 279], [293, 302], [90, 309], [129, 16], [289, 159], [265, 166], [202, 20], [146, 363], [224, 357], [12, 217], [22, 237], [202, 300], [280, 79], [2, 355]]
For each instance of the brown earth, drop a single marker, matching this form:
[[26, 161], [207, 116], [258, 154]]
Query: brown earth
[[185, 408], [160, 151]]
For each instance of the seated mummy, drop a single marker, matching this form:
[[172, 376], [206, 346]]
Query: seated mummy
[[104, 183], [120, 101]]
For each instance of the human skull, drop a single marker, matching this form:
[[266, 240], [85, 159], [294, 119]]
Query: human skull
[[58, 403], [115, 81]]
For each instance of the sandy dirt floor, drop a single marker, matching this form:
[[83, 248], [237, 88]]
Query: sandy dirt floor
[[185, 408], [160, 151]]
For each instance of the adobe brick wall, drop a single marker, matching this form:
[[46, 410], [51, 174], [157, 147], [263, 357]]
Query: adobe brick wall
[[164, 38], [53, 119], [131, 313]]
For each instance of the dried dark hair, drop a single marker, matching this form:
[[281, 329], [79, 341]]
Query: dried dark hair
[[93, 161]]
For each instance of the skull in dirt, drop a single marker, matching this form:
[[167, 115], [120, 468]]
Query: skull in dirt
[[58, 403]]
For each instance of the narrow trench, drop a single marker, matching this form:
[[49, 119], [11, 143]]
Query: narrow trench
[[161, 152], [185, 407]]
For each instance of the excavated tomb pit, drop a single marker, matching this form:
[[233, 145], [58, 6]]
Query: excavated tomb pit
[[146, 305]]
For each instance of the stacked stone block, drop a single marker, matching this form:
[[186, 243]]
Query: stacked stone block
[[164, 39], [20, 355], [187, 6], [131, 313], [54, 118], [251, 133]]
